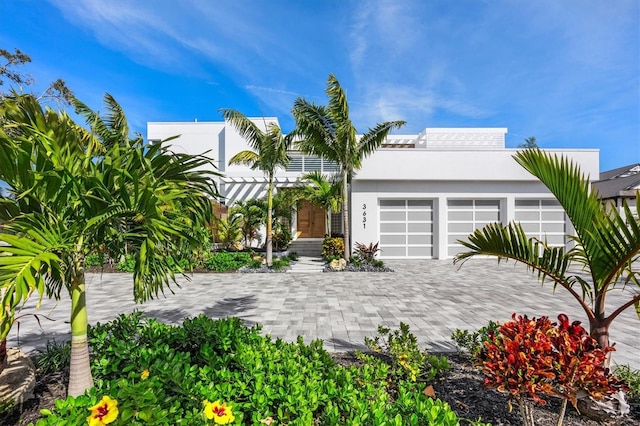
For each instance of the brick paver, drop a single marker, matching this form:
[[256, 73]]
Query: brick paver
[[432, 296]]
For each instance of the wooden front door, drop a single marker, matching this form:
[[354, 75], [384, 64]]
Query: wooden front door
[[310, 220]]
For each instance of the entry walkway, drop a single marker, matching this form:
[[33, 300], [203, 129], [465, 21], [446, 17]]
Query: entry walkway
[[432, 296]]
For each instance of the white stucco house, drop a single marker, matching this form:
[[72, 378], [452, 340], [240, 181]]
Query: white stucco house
[[417, 195]]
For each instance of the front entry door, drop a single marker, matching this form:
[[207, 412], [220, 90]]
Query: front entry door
[[310, 220]]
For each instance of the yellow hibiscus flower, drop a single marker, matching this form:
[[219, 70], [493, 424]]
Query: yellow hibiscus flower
[[220, 413], [103, 412]]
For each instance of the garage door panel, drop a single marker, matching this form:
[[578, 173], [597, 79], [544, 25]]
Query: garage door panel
[[393, 227], [406, 228], [393, 216], [420, 216], [465, 216], [549, 224], [392, 204], [553, 216], [393, 239], [419, 251], [420, 239], [418, 227], [487, 216], [391, 251]]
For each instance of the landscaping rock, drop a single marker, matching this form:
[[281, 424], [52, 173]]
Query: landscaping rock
[[18, 379]]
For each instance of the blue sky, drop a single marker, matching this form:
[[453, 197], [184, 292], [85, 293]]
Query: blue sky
[[566, 72]]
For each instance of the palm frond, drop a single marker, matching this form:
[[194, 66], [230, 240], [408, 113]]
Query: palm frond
[[372, 140], [338, 106], [247, 158], [511, 242], [247, 128]]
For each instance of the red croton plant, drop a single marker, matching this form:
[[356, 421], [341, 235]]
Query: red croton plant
[[529, 358]]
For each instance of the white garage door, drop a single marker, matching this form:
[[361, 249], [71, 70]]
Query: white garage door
[[543, 219], [406, 228], [464, 217]]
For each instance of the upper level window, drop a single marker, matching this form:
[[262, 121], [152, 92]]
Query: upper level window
[[307, 163]]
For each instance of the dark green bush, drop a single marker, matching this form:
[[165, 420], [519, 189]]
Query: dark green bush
[[94, 259], [470, 342], [281, 239], [127, 264], [293, 383], [228, 261]]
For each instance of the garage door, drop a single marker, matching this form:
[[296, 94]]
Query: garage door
[[406, 228], [464, 217], [543, 219]]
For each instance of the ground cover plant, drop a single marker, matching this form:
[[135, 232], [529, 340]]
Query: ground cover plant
[[207, 371]]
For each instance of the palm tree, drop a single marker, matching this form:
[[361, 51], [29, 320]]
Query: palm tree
[[327, 132], [322, 191], [75, 192], [606, 243], [251, 214], [270, 152]]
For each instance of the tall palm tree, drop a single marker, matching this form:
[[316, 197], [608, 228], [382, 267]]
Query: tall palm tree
[[321, 190], [327, 132], [606, 243], [270, 151], [75, 191]]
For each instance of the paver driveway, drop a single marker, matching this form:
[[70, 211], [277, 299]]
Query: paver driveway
[[432, 296]]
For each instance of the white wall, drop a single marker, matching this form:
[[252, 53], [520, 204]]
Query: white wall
[[458, 165]]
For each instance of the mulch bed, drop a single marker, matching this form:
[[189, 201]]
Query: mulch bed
[[461, 387]]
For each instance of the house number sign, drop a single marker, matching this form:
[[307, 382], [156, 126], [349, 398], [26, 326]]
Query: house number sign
[[364, 216]]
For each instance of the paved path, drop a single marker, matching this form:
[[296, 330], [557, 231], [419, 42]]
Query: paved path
[[432, 296]]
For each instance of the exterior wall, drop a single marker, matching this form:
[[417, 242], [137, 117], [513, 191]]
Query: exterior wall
[[452, 168], [447, 175]]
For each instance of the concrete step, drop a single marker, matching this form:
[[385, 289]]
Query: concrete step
[[307, 264], [306, 247]]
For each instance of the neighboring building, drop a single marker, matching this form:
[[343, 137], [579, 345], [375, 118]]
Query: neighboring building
[[417, 195], [618, 185]]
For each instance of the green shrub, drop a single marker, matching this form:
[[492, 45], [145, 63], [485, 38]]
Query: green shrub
[[182, 265], [408, 362], [94, 259], [293, 256], [281, 239], [332, 248], [227, 261], [206, 359], [472, 341], [56, 357], [127, 264], [631, 378]]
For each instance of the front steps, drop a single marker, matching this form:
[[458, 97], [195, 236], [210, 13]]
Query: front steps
[[311, 247]]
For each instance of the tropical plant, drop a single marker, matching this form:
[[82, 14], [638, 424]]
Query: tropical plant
[[366, 253], [528, 358], [270, 151], [252, 216], [327, 132], [322, 191], [228, 231], [332, 248], [73, 192], [606, 243]]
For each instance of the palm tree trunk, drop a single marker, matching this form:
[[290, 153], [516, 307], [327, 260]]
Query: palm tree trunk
[[345, 215], [269, 220], [80, 378], [327, 223]]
